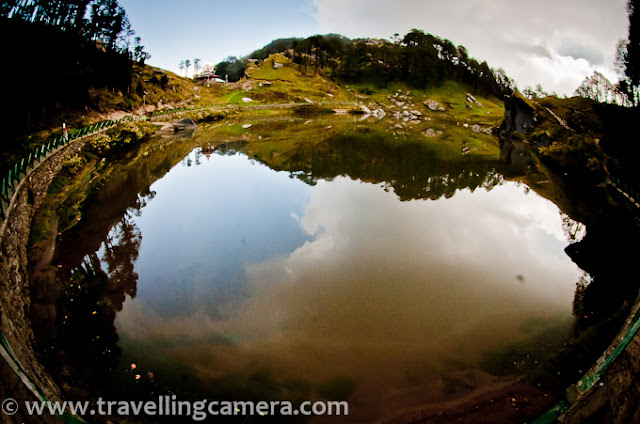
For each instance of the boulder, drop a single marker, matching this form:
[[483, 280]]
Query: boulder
[[430, 132], [519, 115], [433, 105], [481, 130], [184, 124], [473, 100], [365, 109]]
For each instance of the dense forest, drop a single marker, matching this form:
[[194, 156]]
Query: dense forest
[[60, 50], [421, 60]]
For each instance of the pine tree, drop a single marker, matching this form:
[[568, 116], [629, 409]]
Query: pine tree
[[631, 58], [196, 66]]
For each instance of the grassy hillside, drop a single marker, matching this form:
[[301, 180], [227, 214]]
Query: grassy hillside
[[162, 87], [278, 81]]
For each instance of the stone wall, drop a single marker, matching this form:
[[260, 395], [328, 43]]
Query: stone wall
[[14, 285]]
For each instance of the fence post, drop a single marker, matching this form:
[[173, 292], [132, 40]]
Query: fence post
[[4, 193]]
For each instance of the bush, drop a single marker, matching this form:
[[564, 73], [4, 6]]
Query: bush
[[127, 133], [99, 144], [576, 154], [74, 164]]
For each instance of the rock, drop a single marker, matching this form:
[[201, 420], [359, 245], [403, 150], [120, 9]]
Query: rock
[[277, 65], [247, 99], [379, 113], [399, 104], [184, 124], [473, 100], [478, 129], [365, 109], [433, 105], [415, 113], [430, 132], [245, 126], [519, 116]]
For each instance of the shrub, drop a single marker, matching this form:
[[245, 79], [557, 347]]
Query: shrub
[[127, 133], [576, 154], [99, 144], [74, 164]]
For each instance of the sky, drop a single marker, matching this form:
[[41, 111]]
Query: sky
[[556, 43]]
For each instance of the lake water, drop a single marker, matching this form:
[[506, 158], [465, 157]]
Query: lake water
[[243, 280]]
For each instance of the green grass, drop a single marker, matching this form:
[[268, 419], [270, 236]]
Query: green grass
[[235, 97], [266, 70]]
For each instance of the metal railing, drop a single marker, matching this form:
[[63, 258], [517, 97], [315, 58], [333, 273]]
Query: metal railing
[[23, 167]]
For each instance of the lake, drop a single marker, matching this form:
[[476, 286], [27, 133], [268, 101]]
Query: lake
[[343, 264]]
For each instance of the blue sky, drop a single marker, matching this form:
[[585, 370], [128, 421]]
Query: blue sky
[[555, 43], [212, 30]]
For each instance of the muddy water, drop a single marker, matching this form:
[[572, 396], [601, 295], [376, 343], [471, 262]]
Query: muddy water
[[247, 281]]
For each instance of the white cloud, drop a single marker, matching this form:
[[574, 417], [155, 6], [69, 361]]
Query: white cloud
[[383, 285], [499, 31]]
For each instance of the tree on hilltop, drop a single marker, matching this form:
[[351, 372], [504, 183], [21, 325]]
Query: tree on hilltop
[[139, 55], [629, 54], [231, 67], [196, 66], [103, 21], [597, 87]]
